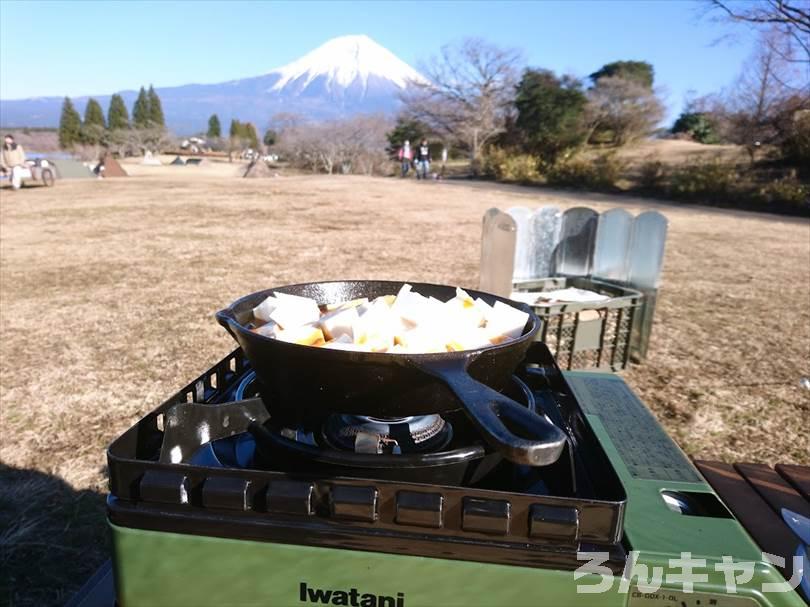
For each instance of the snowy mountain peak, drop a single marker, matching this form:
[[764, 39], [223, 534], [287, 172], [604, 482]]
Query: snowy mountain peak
[[343, 62]]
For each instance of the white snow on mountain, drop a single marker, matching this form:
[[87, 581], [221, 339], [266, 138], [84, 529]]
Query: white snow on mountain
[[345, 61], [343, 77]]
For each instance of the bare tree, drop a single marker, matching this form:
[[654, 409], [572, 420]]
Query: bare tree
[[760, 108], [626, 107], [355, 145], [468, 93], [790, 18]]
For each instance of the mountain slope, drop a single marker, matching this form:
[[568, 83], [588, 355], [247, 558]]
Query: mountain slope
[[342, 77]]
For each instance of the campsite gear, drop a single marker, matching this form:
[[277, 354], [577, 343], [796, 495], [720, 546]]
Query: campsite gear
[[546, 223], [497, 253], [306, 384], [150, 160], [577, 237], [194, 161], [644, 259], [178, 161], [68, 168], [588, 334], [523, 243], [227, 523], [112, 168], [612, 247], [257, 169]]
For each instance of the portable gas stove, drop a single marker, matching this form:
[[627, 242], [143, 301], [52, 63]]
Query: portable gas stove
[[211, 504]]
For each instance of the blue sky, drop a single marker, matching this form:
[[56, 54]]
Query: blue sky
[[74, 48]]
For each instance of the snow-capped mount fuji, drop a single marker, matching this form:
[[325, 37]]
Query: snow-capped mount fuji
[[345, 76], [353, 66]]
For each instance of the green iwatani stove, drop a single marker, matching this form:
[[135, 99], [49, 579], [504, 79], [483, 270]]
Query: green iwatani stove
[[211, 504]]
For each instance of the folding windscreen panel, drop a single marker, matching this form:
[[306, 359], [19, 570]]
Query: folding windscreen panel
[[497, 253], [546, 223], [612, 242], [577, 236], [524, 245], [613, 247]]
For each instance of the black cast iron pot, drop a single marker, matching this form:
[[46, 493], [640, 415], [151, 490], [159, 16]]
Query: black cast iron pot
[[304, 384]]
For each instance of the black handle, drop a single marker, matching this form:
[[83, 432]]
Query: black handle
[[488, 409]]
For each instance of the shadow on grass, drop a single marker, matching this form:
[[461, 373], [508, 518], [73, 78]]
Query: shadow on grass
[[52, 537]]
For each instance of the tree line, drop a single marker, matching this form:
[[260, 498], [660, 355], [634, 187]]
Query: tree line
[[147, 123]]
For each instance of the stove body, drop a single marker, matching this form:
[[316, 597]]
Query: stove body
[[200, 517]]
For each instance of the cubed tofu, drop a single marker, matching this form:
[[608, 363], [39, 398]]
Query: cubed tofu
[[264, 309], [343, 342], [353, 303], [402, 295], [421, 340], [339, 323], [307, 335], [375, 329], [472, 339], [463, 312], [505, 321], [294, 311], [415, 310], [269, 329]]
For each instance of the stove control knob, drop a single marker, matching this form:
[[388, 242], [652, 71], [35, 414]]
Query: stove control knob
[[486, 516], [420, 509], [554, 523], [164, 487], [349, 502], [290, 497], [227, 492]]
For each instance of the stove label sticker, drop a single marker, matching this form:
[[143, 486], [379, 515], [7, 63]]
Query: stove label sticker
[[644, 447], [352, 597]]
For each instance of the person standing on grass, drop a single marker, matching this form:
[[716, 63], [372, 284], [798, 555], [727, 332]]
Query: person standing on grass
[[422, 160], [12, 161], [405, 156]]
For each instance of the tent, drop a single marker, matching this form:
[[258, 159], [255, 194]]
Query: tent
[[258, 169], [149, 159], [194, 161], [67, 168], [178, 161], [112, 168]]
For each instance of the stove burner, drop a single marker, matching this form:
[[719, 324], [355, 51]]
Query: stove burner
[[366, 434]]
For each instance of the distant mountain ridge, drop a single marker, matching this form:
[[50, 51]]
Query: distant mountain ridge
[[344, 76]]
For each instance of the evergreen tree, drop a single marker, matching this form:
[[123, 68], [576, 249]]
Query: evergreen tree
[[635, 71], [550, 114], [93, 114], [250, 135], [117, 116], [140, 111], [214, 128], [270, 138], [236, 129], [70, 125], [155, 108]]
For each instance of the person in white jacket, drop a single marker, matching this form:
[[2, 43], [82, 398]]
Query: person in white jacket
[[12, 162]]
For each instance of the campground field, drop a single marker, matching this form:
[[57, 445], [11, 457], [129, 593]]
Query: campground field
[[108, 289]]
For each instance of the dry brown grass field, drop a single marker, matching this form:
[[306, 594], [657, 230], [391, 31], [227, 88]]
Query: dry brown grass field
[[108, 289]]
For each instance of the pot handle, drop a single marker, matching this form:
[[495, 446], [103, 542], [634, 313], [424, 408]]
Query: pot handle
[[226, 319], [488, 409]]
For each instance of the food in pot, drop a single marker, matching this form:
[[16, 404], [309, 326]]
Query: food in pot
[[405, 323]]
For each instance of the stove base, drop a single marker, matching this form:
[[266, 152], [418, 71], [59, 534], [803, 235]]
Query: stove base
[[159, 568]]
